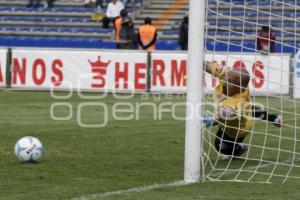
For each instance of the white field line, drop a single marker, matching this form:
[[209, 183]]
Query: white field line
[[163, 185], [132, 190]]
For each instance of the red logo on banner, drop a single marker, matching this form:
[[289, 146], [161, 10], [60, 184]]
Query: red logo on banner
[[99, 69], [38, 72], [257, 69]]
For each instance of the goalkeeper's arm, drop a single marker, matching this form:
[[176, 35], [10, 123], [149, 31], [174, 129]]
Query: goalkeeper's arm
[[208, 67], [224, 114], [214, 69], [208, 121]]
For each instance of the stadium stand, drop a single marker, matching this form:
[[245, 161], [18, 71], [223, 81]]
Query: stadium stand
[[69, 24]]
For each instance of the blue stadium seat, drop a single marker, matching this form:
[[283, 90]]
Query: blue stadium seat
[[51, 29], [287, 48], [248, 46], [167, 45], [66, 29], [210, 45], [108, 45], [171, 32], [241, 45], [25, 28], [221, 46]]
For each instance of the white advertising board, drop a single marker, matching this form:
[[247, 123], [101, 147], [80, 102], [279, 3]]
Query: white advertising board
[[3, 56], [125, 71], [296, 90], [84, 70], [269, 73]]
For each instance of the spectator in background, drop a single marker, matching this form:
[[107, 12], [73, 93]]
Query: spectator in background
[[50, 3], [184, 33], [37, 3], [112, 12], [266, 40], [128, 38], [94, 3], [34, 3], [147, 35]]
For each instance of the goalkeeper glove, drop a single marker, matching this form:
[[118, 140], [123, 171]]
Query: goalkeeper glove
[[208, 121]]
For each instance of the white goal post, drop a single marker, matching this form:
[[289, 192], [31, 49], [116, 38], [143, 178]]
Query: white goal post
[[193, 143], [230, 31]]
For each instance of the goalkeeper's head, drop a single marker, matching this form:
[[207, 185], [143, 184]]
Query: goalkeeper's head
[[236, 81]]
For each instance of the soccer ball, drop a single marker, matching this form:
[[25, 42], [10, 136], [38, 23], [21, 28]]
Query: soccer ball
[[28, 149]]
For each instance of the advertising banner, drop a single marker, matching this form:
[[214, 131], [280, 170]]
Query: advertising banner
[[269, 73], [3, 55], [83, 70], [126, 71]]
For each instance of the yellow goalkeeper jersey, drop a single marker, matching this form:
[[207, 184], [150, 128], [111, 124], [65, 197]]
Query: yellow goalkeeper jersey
[[241, 125]]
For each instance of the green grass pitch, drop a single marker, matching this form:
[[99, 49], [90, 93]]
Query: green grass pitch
[[82, 162]]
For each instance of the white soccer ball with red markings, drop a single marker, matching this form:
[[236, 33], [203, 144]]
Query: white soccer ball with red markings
[[29, 149]]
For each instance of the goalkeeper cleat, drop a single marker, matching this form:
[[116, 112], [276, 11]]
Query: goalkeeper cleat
[[245, 148], [278, 121], [208, 121]]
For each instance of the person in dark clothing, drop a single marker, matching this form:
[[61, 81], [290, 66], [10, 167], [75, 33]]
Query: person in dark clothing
[[37, 3], [118, 25], [94, 3], [112, 12], [34, 3], [50, 3], [266, 40], [184, 33], [128, 37]]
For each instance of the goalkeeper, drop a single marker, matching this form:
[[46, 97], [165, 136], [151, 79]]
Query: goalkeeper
[[235, 112]]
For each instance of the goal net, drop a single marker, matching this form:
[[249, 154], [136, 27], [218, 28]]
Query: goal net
[[237, 36]]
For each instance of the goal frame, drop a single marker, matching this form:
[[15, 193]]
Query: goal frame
[[195, 89]]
